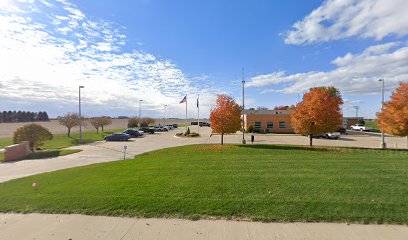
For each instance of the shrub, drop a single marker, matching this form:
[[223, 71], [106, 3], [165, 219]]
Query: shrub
[[194, 134], [342, 130], [361, 121], [35, 134], [250, 129], [133, 122], [179, 134], [146, 121]]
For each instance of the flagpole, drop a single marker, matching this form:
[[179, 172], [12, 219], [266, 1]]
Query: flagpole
[[186, 113], [198, 114]]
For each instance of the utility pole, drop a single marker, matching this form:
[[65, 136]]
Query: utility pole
[[383, 144], [243, 106], [80, 115]]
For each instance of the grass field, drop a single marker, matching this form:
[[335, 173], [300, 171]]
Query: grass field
[[256, 182], [62, 140], [371, 124]]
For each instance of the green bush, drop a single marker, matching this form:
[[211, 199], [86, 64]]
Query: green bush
[[194, 134], [250, 129], [35, 134]]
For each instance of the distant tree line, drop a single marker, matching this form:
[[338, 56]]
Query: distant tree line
[[23, 116]]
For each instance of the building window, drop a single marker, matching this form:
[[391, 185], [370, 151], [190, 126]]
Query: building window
[[282, 125], [257, 125], [269, 125]]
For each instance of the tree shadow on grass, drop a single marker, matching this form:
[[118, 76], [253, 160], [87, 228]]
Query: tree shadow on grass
[[295, 148], [316, 148]]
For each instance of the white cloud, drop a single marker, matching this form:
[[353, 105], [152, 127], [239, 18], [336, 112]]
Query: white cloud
[[354, 74], [341, 19], [45, 54]]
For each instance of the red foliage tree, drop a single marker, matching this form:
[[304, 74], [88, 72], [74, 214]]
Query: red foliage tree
[[226, 116], [394, 118], [318, 113]]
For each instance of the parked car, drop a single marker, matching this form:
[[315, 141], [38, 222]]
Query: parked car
[[133, 133], [334, 135], [205, 124], [160, 129], [117, 137], [359, 127], [166, 128], [175, 125], [147, 130]]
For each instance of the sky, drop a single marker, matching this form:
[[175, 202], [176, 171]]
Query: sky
[[158, 51]]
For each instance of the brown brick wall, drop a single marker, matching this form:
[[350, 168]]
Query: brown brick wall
[[16, 152], [250, 119]]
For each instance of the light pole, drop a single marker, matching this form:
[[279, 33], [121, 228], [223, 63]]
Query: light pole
[[165, 111], [80, 116], [140, 108], [356, 107], [243, 106], [383, 144]]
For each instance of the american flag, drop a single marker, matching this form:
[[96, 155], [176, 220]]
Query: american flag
[[184, 100]]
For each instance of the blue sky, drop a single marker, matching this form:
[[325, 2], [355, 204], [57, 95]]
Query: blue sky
[[158, 51]]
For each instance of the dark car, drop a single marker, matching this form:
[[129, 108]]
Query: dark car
[[175, 125], [205, 124], [133, 133], [117, 137], [147, 130]]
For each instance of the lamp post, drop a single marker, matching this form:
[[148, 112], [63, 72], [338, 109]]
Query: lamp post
[[383, 144], [140, 108], [80, 116], [243, 106], [356, 107], [165, 111]]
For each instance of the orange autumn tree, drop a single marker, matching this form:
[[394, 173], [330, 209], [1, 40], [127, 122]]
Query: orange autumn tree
[[394, 118], [226, 116], [318, 113]]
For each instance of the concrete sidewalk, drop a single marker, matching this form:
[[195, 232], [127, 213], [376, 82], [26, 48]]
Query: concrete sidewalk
[[75, 227]]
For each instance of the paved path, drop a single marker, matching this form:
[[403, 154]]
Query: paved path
[[47, 227]]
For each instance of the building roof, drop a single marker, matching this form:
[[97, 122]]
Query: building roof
[[267, 112]]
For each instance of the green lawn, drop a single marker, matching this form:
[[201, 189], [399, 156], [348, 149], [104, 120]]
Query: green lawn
[[62, 140], [257, 182], [371, 124], [5, 141]]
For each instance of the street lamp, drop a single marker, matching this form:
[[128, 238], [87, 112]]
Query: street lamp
[[356, 107], [140, 108], [383, 144], [243, 106], [80, 116], [165, 110]]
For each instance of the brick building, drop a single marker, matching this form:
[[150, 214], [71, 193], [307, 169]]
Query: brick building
[[273, 121]]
